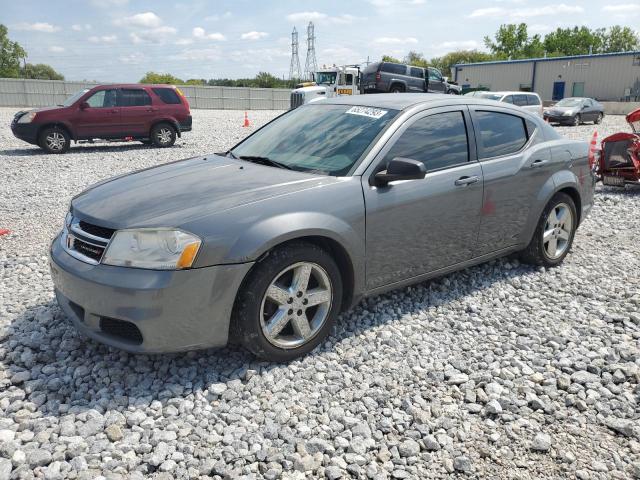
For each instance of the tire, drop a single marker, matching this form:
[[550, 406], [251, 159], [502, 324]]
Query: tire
[[539, 251], [598, 119], [397, 89], [577, 120], [452, 92], [54, 140], [255, 311], [163, 135]]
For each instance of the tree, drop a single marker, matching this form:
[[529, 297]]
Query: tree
[[446, 62], [154, 77], [11, 53], [513, 41], [390, 59], [40, 71], [196, 81], [618, 39], [416, 59], [266, 80], [572, 41]]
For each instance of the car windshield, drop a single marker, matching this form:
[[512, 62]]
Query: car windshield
[[74, 98], [323, 139], [326, 77], [569, 102], [490, 96]]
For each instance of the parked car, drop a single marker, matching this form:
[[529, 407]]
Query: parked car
[[384, 77], [267, 243], [153, 114], [574, 111], [619, 162], [529, 101]]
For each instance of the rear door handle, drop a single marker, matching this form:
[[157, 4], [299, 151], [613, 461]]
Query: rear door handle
[[463, 181], [537, 163]]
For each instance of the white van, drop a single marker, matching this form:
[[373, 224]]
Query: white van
[[530, 101]]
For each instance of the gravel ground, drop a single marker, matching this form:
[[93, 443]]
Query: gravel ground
[[498, 371]]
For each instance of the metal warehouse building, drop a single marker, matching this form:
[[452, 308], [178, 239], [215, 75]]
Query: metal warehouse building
[[605, 77]]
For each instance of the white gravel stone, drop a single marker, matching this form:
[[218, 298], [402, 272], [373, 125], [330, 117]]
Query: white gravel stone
[[394, 392]]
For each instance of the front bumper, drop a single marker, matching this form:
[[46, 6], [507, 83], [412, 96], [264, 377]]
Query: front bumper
[[25, 131], [557, 118], [185, 125], [172, 310]]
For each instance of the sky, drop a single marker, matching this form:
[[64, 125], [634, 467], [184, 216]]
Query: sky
[[120, 40]]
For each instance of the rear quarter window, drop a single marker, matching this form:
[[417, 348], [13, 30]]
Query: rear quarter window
[[533, 100], [167, 95], [500, 133], [394, 68]]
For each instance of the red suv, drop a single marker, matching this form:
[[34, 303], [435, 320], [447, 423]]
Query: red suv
[[153, 114]]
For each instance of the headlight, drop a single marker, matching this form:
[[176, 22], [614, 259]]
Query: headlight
[[157, 249], [568, 113], [27, 117]]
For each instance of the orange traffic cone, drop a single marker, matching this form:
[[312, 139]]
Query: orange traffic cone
[[4, 231], [593, 150], [246, 120]]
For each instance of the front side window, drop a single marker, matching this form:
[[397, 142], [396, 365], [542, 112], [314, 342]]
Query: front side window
[[508, 99], [103, 99], [322, 139], [435, 74], [438, 141], [500, 133], [133, 97]]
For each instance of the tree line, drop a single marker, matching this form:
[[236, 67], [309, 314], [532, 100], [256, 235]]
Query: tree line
[[13, 61], [513, 41], [261, 80]]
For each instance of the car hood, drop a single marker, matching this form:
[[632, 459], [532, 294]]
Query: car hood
[[563, 109], [37, 110], [173, 194]]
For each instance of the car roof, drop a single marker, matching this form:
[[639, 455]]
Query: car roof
[[132, 85], [403, 101], [515, 93]]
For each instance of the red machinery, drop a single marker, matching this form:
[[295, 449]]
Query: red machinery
[[619, 163]]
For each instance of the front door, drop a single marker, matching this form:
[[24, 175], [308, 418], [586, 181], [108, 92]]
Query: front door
[[516, 163], [418, 226], [101, 118], [137, 111], [558, 91], [436, 81]]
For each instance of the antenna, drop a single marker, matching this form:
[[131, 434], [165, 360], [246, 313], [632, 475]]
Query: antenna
[[294, 69], [310, 66]]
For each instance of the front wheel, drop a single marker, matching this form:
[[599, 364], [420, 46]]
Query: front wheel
[[554, 233], [598, 119], [54, 140], [577, 120], [163, 135], [289, 303]]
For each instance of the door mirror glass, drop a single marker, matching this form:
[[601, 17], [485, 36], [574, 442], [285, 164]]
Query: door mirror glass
[[401, 169]]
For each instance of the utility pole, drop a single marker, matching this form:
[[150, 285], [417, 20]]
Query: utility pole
[[310, 66], [294, 68]]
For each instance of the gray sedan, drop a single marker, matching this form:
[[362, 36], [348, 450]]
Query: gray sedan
[[266, 243], [574, 111]]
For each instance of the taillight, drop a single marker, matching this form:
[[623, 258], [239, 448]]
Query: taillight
[[378, 76]]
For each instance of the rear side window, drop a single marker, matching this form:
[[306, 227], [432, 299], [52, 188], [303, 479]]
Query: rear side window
[[416, 72], [500, 133], [508, 99], [533, 100], [394, 68], [134, 97], [520, 100], [167, 95], [439, 141]]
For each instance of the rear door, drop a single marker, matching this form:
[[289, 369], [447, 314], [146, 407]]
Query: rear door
[[417, 79], [516, 163], [101, 119], [436, 81], [137, 111], [418, 226]]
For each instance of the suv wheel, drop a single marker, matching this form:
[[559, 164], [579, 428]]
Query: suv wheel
[[163, 135], [554, 234], [289, 303], [397, 89], [54, 140]]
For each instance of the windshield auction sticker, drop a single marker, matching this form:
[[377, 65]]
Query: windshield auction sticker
[[367, 112]]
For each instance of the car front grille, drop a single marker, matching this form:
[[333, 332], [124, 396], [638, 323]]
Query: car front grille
[[121, 329], [85, 241], [297, 99]]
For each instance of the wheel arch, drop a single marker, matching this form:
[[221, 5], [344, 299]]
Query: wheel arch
[[171, 121], [398, 83], [59, 124]]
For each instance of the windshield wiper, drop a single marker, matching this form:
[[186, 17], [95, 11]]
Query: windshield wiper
[[229, 153], [263, 161]]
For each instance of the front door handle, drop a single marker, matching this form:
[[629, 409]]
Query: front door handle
[[463, 181], [537, 163]]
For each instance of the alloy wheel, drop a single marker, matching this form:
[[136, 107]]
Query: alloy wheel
[[296, 305], [557, 231], [164, 135], [55, 141]]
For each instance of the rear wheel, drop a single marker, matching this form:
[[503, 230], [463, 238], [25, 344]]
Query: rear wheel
[[598, 119], [54, 140], [397, 89], [289, 303], [163, 135], [554, 233]]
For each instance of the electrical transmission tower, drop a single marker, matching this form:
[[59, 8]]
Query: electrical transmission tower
[[310, 66], [294, 69]]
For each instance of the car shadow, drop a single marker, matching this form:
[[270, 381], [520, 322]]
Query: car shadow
[[84, 148], [82, 374]]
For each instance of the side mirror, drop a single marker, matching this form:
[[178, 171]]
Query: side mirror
[[400, 169], [84, 106]]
